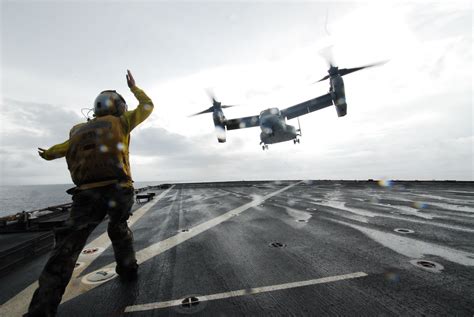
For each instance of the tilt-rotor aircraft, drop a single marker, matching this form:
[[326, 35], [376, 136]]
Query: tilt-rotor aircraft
[[272, 121]]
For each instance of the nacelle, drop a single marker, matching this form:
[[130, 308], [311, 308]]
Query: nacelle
[[219, 124], [338, 95]]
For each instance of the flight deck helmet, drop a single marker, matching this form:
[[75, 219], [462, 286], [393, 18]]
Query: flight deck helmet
[[109, 102]]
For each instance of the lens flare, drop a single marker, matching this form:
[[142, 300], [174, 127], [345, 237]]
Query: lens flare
[[385, 183], [392, 277], [419, 205]]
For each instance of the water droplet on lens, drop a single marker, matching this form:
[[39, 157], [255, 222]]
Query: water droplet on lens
[[419, 205], [103, 148]]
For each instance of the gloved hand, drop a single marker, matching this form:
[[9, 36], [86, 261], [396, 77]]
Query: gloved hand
[[130, 79], [41, 152]]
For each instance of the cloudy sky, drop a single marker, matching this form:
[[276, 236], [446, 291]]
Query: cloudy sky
[[411, 118]]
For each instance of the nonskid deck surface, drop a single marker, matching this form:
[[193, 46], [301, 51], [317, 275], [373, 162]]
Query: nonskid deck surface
[[288, 248]]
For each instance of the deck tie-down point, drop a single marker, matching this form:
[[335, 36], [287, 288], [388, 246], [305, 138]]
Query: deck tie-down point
[[101, 276], [403, 230], [428, 265], [189, 302], [277, 245]]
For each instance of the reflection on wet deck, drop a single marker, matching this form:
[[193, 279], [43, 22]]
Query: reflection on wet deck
[[348, 248]]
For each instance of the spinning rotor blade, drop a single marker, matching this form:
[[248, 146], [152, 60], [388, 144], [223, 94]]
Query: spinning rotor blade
[[324, 78], [211, 95], [216, 103], [345, 71], [328, 55], [211, 109]]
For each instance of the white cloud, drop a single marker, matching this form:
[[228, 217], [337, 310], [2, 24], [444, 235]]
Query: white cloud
[[410, 118]]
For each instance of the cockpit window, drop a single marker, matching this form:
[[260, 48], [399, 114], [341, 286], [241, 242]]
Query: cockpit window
[[272, 111]]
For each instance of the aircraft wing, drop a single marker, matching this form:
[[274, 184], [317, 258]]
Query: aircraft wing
[[308, 106], [241, 123]]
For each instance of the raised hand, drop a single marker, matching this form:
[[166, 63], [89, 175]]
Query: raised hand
[[130, 79]]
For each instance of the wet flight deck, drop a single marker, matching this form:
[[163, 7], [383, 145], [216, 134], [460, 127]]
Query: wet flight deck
[[286, 248]]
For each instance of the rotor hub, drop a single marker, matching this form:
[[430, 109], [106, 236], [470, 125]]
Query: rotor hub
[[333, 70]]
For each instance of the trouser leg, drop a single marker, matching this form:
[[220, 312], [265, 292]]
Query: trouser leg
[[58, 270], [86, 214], [120, 234], [122, 242]]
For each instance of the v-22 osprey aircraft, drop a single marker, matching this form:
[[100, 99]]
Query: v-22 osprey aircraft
[[272, 121]]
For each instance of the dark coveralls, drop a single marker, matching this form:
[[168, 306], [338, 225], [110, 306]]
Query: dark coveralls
[[89, 207], [88, 210]]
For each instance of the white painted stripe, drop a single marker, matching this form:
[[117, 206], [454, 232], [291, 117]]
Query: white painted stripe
[[430, 223], [164, 245], [340, 205], [410, 247], [18, 304], [171, 242], [244, 292]]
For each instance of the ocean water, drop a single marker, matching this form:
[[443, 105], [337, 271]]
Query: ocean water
[[15, 199]]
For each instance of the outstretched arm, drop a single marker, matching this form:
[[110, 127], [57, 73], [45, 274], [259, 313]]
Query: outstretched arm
[[144, 108], [54, 152]]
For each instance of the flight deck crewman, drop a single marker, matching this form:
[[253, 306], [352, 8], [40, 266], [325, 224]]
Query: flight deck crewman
[[97, 158]]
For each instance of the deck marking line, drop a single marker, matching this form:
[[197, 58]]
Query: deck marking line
[[403, 218], [18, 304], [410, 247], [434, 224], [103, 241], [159, 247], [162, 246], [243, 292]]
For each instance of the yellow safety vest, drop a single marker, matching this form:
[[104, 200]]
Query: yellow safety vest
[[81, 163], [97, 151]]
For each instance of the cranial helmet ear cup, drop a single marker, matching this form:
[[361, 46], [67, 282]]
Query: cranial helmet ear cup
[[121, 105]]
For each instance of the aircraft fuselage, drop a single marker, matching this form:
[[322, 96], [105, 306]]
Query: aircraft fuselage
[[274, 128]]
